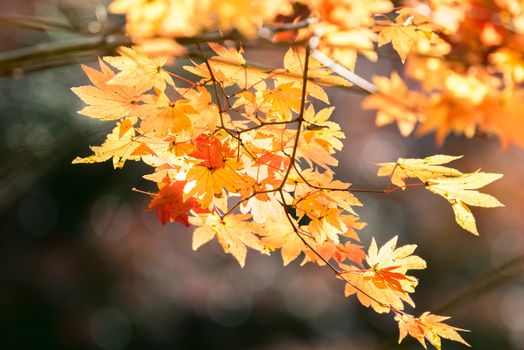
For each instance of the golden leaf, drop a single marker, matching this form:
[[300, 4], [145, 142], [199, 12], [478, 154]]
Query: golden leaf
[[395, 103], [108, 102], [428, 326], [460, 191], [234, 233], [121, 145], [422, 169], [385, 284], [139, 70]]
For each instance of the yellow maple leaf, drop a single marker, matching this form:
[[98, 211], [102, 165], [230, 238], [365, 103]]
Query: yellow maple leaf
[[161, 116], [139, 70], [320, 138], [229, 67], [402, 37], [428, 326], [207, 113], [385, 284], [108, 102], [395, 103], [461, 191], [206, 183], [314, 152], [318, 74], [319, 129], [422, 169], [408, 30], [261, 206], [277, 233], [120, 144], [234, 233], [326, 192], [284, 99]]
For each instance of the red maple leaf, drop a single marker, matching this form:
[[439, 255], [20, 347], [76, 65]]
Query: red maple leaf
[[169, 203], [209, 150]]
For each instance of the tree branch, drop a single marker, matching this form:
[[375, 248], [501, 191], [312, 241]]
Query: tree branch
[[98, 44], [344, 72], [35, 23], [37, 56], [484, 284]]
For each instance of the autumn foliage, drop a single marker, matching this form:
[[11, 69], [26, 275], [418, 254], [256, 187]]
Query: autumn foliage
[[246, 154]]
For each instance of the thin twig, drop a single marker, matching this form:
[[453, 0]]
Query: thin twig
[[344, 72], [337, 272], [300, 119], [491, 280]]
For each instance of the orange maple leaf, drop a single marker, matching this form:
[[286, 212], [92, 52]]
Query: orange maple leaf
[[385, 284], [430, 327]]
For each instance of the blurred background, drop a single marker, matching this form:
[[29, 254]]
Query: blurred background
[[83, 265]]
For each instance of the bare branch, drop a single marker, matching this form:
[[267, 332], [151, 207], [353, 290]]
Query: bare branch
[[344, 72], [491, 280]]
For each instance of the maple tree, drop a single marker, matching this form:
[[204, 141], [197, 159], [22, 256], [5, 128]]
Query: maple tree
[[246, 154]]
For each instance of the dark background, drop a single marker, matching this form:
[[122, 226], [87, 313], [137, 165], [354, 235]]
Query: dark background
[[83, 265]]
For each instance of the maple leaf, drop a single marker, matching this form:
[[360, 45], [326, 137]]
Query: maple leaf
[[206, 117], [284, 99], [325, 193], [262, 205], [402, 37], [234, 233], [428, 326], [408, 30], [229, 68], [121, 145], [320, 130], [422, 169], [326, 223], [139, 70], [386, 283], [461, 191], [108, 102], [324, 200], [346, 29], [315, 153], [318, 74], [209, 150], [321, 138], [329, 250], [170, 204], [278, 233], [161, 116], [395, 103], [353, 252], [206, 183]]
